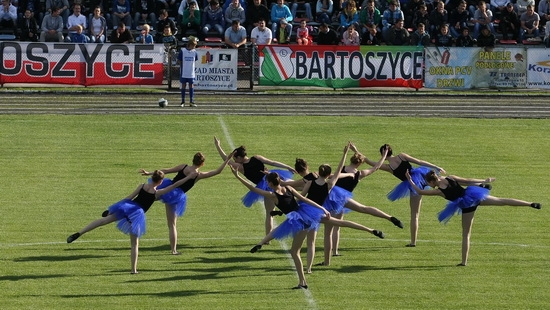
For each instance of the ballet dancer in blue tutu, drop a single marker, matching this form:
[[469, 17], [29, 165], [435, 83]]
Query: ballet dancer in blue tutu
[[254, 170], [130, 212], [301, 217], [398, 166], [176, 201], [350, 175], [339, 201], [464, 200]]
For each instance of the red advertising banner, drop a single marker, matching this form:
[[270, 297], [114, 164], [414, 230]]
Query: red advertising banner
[[81, 64]]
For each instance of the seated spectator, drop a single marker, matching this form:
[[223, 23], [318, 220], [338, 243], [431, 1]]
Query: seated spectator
[[121, 34], [235, 36], [171, 6], [444, 38], [421, 15], [145, 37], [324, 10], [282, 36], [77, 22], [486, 38], [184, 4], [280, 13], [458, 19], [302, 34], [348, 16], [255, 13], [191, 20], [544, 11], [78, 36], [372, 36], [420, 37], [304, 4], [62, 5], [52, 27], [98, 26], [509, 23], [498, 6], [8, 17], [351, 36], [122, 13], [465, 39], [370, 16], [409, 9], [529, 23], [28, 27], [144, 13], [398, 35], [213, 18], [261, 34], [521, 6], [438, 17], [235, 12], [483, 18], [162, 22], [390, 18], [327, 36], [168, 39], [36, 7]]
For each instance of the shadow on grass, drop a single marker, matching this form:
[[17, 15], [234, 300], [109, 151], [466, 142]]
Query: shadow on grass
[[362, 268], [161, 294], [30, 277], [46, 258]]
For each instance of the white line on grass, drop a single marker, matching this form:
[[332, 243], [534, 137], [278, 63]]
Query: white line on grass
[[309, 296]]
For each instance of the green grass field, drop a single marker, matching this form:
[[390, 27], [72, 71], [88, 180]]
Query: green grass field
[[60, 172]]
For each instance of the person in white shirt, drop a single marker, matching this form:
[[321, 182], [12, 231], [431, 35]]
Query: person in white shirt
[[8, 16], [76, 19], [261, 35], [187, 58]]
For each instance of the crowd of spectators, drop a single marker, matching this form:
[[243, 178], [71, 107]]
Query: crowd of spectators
[[237, 22]]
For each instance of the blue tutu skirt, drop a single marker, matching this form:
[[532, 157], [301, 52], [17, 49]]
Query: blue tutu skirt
[[251, 197], [130, 217], [404, 189], [336, 200], [176, 198], [305, 218], [473, 196]]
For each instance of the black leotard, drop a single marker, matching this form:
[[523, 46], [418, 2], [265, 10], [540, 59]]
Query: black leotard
[[254, 170], [318, 193], [453, 191], [400, 171], [310, 177], [348, 183], [144, 199], [286, 202], [187, 185]]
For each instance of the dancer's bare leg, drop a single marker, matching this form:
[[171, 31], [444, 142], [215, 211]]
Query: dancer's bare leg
[[311, 236], [134, 243], [295, 253], [336, 236], [496, 201], [269, 206], [328, 243], [97, 223], [415, 203], [171, 220], [467, 221], [358, 207]]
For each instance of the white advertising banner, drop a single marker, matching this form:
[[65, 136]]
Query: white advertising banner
[[538, 68], [216, 69]]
